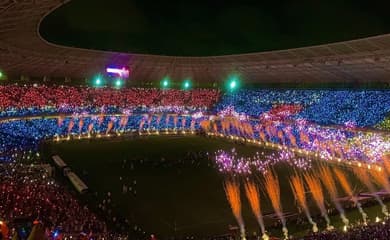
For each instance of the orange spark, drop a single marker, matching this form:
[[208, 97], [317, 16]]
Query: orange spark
[[327, 179], [386, 162], [272, 187], [363, 176], [344, 182], [381, 179], [232, 190], [252, 193], [271, 183], [316, 190], [298, 190]]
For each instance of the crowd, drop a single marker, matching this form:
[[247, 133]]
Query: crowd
[[29, 191], [360, 107], [38, 99], [26, 190], [377, 231], [342, 143], [25, 135]]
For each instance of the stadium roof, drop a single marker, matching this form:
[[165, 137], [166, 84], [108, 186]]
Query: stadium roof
[[23, 51]]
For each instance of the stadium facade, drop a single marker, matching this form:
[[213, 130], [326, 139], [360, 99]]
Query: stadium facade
[[24, 52]]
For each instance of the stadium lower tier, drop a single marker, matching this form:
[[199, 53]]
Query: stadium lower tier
[[22, 184], [342, 143], [300, 124], [326, 107], [35, 100], [361, 108], [297, 141]]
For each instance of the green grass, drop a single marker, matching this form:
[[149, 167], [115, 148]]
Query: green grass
[[172, 199]]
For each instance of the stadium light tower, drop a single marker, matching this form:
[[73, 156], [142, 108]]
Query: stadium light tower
[[118, 83], [165, 82], [98, 81], [187, 84], [233, 82]]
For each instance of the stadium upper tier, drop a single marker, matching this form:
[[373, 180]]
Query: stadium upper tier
[[29, 100], [355, 107], [358, 107], [24, 52]]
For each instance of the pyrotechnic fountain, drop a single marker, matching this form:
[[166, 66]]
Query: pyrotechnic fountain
[[230, 164], [81, 124], [158, 120], [348, 190], [316, 191], [60, 121], [252, 193], [109, 126], [381, 178], [386, 162], [90, 128], [298, 190], [362, 174], [123, 121], [232, 190], [327, 179], [271, 183], [70, 126]]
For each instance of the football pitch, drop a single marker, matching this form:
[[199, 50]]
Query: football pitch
[[169, 186]]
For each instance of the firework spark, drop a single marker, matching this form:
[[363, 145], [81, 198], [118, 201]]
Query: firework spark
[[316, 190], [298, 190], [348, 190], [272, 187], [232, 190], [327, 179], [364, 177], [253, 195]]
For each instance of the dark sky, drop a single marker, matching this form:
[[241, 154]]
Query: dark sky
[[202, 27]]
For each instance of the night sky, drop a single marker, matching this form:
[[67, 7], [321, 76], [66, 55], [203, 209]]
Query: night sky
[[203, 28]]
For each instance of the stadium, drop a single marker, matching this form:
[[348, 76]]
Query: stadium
[[201, 120]]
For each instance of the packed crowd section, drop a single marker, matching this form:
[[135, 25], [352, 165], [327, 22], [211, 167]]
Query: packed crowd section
[[28, 191], [25, 135], [20, 138], [27, 100], [327, 107], [278, 126], [359, 107], [377, 231]]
